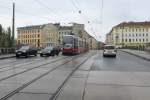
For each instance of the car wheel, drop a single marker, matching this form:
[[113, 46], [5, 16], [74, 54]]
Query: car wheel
[[104, 55], [17, 56], [35, 54], [26, 55], [41, 55]]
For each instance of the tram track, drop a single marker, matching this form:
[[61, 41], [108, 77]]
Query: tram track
[[53, 61], [18, 66], [13, 62], [59, 90], [10, 94]]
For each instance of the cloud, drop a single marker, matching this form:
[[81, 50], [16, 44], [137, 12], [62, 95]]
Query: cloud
[[30, 12]]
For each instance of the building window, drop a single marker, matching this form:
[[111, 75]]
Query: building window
[[143, 40], [133, 40], [147, 34], [132, 30], [140, 40], [136, 40], [136, 30], [133, 35], [143, 30], [136, 35], [129, 40], [143, 34], [146, 40], [139, 34], [129, 34]]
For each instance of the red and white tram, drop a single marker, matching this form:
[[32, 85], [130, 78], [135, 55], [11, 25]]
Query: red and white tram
[[74, 45]]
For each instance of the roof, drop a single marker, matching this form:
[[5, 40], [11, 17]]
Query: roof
[[38, 26], [130, 24], [33, 27], [65, 28]]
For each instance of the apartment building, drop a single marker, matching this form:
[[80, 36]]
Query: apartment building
[[64, 30], [109, 38], [93, 43], [38, 35], [131, 34], [52, 34], [30, 35]]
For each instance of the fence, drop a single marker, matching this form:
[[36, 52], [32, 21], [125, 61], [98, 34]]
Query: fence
[[7, 51]]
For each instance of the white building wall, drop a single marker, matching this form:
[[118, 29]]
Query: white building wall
[[134, 34]]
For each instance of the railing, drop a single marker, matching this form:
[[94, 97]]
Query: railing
[[4, 51]]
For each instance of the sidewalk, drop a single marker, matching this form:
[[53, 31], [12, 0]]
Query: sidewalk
[[7, 56], [141, 54]]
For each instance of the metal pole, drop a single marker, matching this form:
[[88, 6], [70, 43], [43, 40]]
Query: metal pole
[[13, 25]]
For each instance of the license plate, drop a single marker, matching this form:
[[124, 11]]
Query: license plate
[[109, 51]]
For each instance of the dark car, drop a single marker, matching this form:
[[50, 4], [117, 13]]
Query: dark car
[[26, 51], [57, 50], [48, 51]]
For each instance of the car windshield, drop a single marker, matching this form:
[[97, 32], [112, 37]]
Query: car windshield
[[109, 47], [24, 48], [48, 48]]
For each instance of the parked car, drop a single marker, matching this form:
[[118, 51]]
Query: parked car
[[26, 51], [48, 51], [109, 50]]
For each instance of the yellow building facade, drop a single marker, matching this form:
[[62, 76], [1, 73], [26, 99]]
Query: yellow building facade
[[39, 35], [30, 35]]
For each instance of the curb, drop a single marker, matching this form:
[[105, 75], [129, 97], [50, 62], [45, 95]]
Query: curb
[[136, 55], [7, 57]]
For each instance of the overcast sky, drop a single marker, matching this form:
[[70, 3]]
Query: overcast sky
[[33, 12]]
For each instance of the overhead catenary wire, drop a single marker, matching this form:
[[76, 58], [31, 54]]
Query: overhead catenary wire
[[101, 16], [83, 16], [24, 13], [47, 7]]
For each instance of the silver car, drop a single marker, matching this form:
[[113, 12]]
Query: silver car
[[109, 50]]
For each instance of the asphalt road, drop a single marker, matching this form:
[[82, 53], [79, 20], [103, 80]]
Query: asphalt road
[[123, 62], [36, 78], [88, 76], [123, 78]]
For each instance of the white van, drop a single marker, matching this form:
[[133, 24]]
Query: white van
[[109, 50]]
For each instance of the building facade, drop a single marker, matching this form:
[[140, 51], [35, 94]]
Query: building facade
[[30, 35], [131, 34], [52, 34], [64, 30], [93, 43], [109, 38], [39, 35]]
